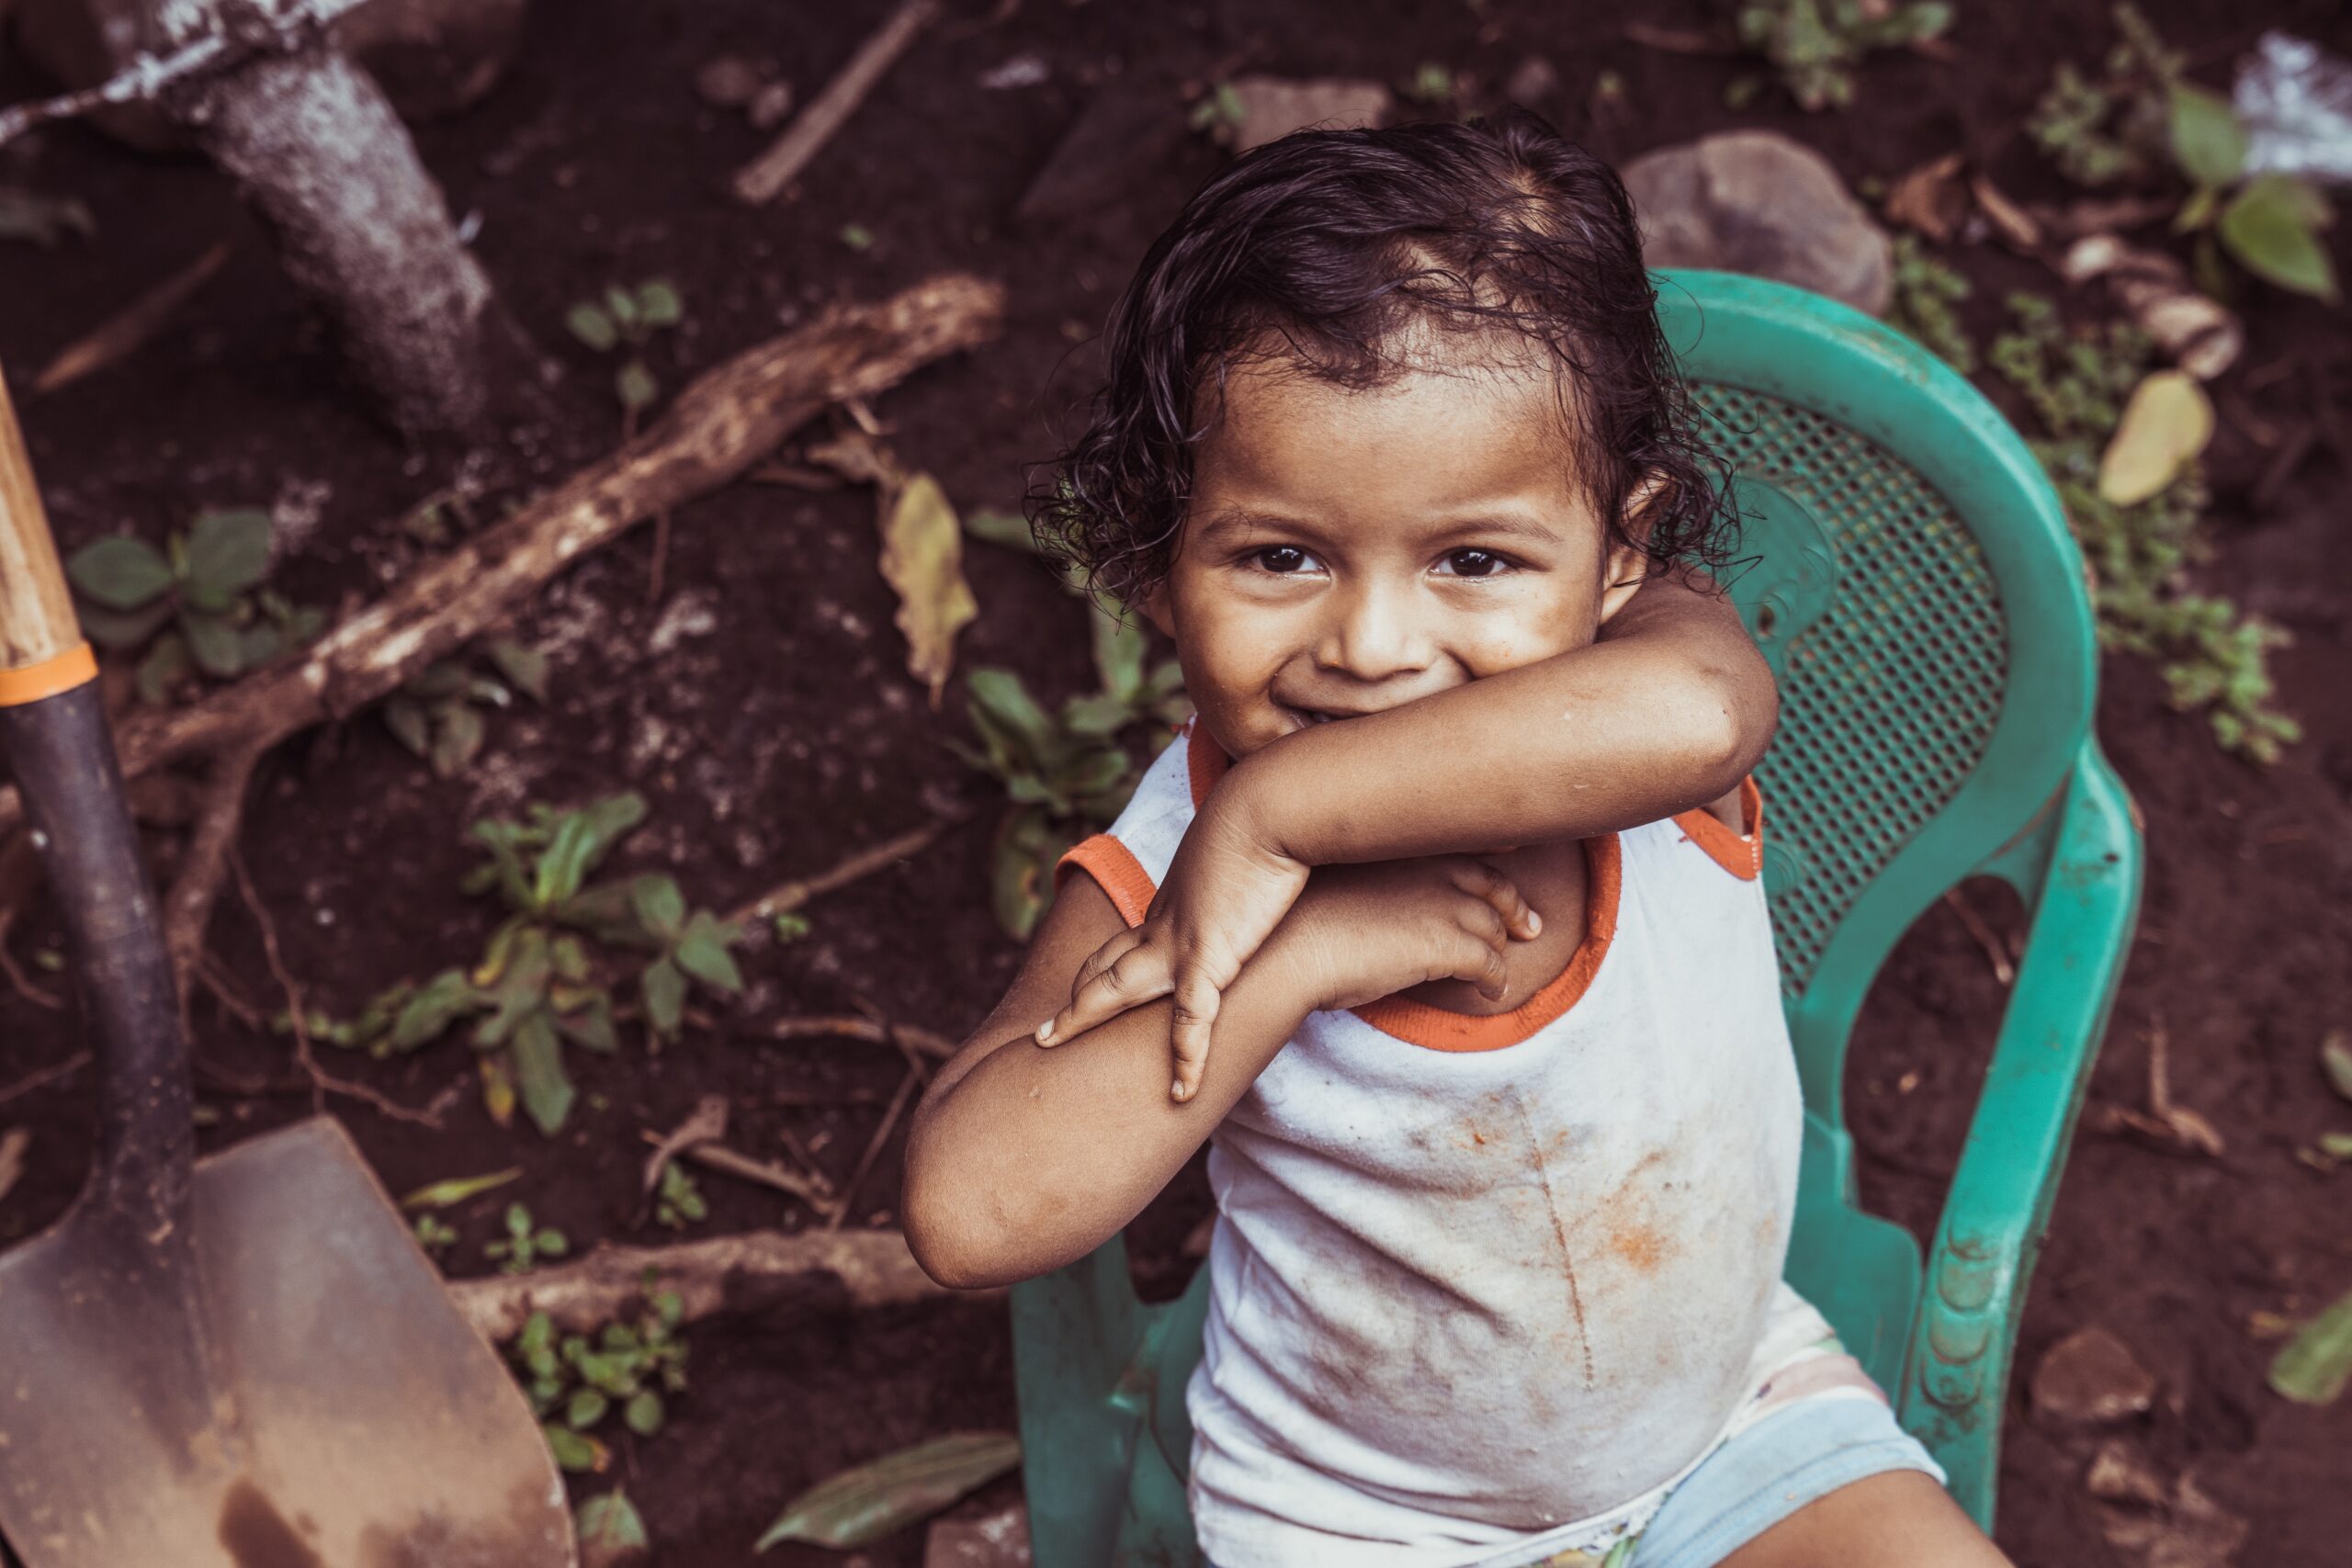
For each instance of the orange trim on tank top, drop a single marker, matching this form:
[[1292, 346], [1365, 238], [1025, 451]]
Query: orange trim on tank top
[[58, 672], [1740, 854], [1131, 891]]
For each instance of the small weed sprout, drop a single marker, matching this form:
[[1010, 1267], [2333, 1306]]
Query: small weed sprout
[[435, 1234], [1431, 85], [1069, 773], [438, 714], [537, 987], [627, 320], [1816, 46], [1926, 291], [2214, 658], [2145, 117], [206, 585], [574, 1382], [1218, 112], [678, 1202], [525, 1244]]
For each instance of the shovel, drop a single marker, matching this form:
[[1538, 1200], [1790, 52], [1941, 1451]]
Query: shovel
[[242, 1362]]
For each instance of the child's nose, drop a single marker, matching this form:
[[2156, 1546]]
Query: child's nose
[[1374, 635]]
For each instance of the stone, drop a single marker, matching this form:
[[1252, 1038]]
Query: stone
[[993, 1541], [1272, 107], [2121, 1473], [770, 107], [1756, 201], [2090, 1378], [728, 82], [431, 57], [1125, 128], [2192, 1531]]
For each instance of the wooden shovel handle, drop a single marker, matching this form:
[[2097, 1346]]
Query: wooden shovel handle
[[41, 648]]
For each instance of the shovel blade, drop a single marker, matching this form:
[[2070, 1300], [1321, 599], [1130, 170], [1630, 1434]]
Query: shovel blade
[[330, 1410]]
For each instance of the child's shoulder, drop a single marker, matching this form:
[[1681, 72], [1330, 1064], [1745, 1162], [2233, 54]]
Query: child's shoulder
[[1132, 857]]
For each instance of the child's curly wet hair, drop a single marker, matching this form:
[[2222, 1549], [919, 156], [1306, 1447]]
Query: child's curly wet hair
[[1336, 250]]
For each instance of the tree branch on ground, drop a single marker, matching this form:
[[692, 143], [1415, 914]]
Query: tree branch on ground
[[753, 1273]]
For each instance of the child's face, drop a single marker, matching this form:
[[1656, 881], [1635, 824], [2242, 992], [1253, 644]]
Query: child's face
[[1350, 552]]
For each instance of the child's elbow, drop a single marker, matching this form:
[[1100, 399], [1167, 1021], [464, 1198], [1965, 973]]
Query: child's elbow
[[1728, 708], [950, 1237]]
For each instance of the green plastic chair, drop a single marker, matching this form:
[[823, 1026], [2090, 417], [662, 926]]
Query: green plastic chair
[[1920, 600]]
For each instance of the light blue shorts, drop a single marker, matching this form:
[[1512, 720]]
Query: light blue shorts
[[1787, 1459]]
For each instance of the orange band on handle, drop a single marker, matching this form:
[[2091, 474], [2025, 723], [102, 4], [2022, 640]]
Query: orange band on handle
[[61, 673]]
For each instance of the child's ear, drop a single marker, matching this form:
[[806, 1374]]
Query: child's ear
[[1628, 566], [1154, 605]]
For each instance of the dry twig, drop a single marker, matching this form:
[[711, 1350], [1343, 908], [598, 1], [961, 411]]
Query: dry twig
[[322, 1083], [748, 1272], [725, 421], [127, 330], [758, 181], [45, 1077], [791, 894], [897, 1108], [705, 1122], [187, 908], [813, 1191], [1996, 951], [850, 1026]]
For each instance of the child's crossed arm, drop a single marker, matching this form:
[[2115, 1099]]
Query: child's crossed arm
[[1668, 711]]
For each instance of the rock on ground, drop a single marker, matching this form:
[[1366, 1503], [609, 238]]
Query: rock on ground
[[993, 1541], [1272, 108], [1756, 201], [2090, 1378]]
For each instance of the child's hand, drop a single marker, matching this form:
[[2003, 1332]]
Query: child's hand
[[1359, 933], [1223, 894]]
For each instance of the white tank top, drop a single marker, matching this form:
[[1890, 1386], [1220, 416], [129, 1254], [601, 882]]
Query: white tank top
[[1475, 1276]]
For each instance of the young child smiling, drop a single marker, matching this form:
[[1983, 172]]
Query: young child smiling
[[1446, 907]]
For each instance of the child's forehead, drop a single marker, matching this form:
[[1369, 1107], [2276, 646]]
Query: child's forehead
[[1455, 414]]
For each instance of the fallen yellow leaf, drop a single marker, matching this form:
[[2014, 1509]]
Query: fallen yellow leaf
[[922, 558], [2164, 427]]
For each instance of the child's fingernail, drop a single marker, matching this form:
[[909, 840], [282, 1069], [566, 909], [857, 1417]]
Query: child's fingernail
[[1045, 1033], [1176, 1092], [1534, 923]]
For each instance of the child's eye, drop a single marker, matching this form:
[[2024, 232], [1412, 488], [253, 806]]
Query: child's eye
[[1473, 563], [1283, 559]]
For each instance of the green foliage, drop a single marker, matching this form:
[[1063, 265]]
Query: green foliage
[[678, 1202], [2313, 1367], [576, 1385], [1431, 84], [438, 714], [857, 236], [1816, 46], [861, 1506], [2213, 658], [536, 987], [627, 320], [1926, 292], [609, 1525], [1065, 775], [525, 1244], [435, 1234], [1218, 111], [2144, 117], [205, 584]]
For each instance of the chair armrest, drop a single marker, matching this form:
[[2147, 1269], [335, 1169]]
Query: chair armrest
[[1997, 1209]]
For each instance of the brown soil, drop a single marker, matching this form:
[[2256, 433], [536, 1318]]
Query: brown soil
[[762, 708]]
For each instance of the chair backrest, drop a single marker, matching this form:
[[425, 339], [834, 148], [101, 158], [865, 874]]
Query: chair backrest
[[1910, 578], [1922, 603]]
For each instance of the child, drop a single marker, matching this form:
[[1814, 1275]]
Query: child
[[1454, 881]]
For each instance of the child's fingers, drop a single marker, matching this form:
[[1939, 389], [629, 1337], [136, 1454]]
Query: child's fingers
[[1127, 980], [1481, 962], [1197, 1000], [1483, 881]]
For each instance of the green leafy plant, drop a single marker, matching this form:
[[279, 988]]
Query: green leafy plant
[[575, 1383], [678, 1202], [864, 1503], [2214, 658], [2143, 118], [1219, 111], [610, 1527], [526, 1244], [624, 321], [1065, 775], [205, 585], [1431, 84], [537, 987], [435, 1234], [1816, 46], [438, 714], [1926, 291]]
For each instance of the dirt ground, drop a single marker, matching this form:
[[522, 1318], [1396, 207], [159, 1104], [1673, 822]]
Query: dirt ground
[[761, 705]]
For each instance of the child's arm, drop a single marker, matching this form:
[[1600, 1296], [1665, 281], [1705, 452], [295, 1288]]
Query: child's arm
[[1020, 1160], [1668, 712]]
